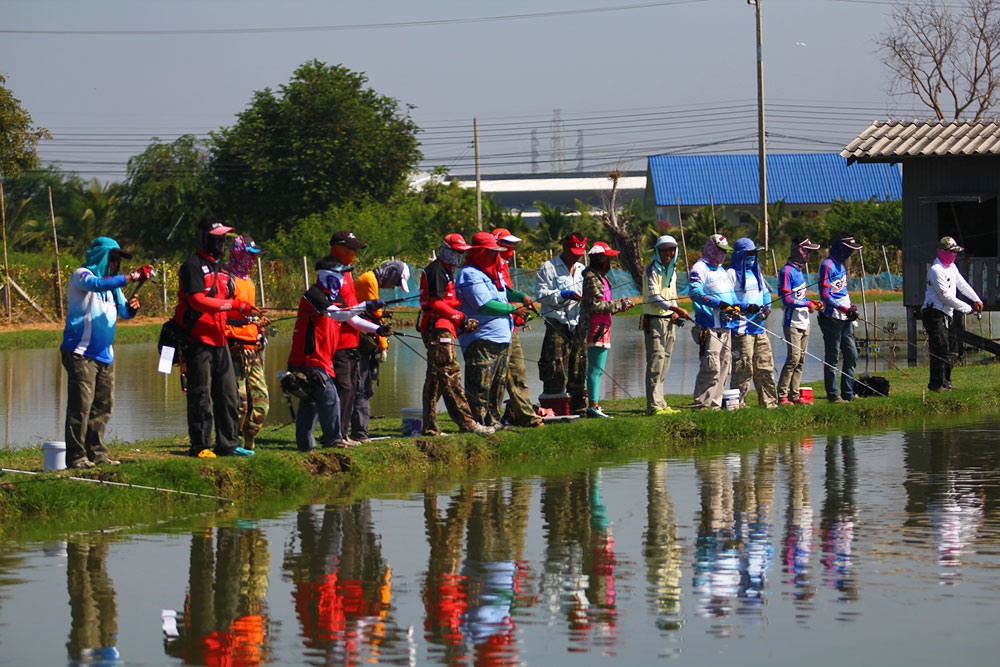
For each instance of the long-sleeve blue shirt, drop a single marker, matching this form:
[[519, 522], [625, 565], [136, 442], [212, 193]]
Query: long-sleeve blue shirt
[[753, 293], [833, 289], [792, 290], [710, 286], [94, 307]]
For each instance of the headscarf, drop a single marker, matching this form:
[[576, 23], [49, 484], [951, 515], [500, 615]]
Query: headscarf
[[98, 254], [742, 261], [240, 258], [487, 261], [713, 254], [450, 256], [658, 266], [798, 256], [947, 257], [842, 247]]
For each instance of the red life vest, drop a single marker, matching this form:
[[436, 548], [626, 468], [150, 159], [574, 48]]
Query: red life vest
[[437, 298], [203, 327], [315, 337]]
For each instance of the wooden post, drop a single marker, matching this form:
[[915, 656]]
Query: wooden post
[[55, 243], [774, 262], [163, 287], [6, 267], [305, 271], [711, 201], [260, 281], [875, 332], [31, 302], [684, 245], [885, 258], [864, 299]]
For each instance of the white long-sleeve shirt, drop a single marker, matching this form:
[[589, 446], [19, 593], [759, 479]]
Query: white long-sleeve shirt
[[552, 277], [943, 283], [351, 316]]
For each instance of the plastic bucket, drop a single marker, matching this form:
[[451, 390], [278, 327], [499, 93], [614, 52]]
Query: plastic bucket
[[806, 395], [558, 403], [53, 456], [413, 421], [731, 399]]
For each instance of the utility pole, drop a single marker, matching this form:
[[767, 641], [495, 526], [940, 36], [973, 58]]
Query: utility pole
[[479, 189], [761, 148]]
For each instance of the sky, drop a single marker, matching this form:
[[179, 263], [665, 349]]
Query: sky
[[626, 79]]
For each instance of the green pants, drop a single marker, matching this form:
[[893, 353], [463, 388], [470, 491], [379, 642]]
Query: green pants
[[251, 385], [90, 399]]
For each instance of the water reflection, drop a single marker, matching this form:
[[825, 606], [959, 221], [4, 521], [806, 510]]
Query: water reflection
[[662, 550], [93, 633], [225, 619], [840, 517], [796, 549]]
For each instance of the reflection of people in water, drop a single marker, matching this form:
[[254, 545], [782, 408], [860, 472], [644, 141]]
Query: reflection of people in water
[[580, 559], [444, 590], [93, 633], [661, 549], [754, 499], [945, 483], [342, 584], [839, 516], [225, 616], [797, 545]]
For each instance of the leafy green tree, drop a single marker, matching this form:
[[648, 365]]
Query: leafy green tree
[[18, 138], [321, 140], [163, 183], [29, 223], [872, 222]]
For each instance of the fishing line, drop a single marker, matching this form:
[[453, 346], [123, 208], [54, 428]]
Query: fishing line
[[105, 482]]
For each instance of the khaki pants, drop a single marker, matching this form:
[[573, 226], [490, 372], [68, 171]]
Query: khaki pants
[[796, 341], [716, 359], [752, 358], [659, 336]]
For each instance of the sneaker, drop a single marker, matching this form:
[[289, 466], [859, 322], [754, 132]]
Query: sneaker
[[835, 399], [598, 413], [81, 464], [666, 411], [482, 429], [784, 400], [107, 462], [344, 443], [206, 454], [802, 401], [238, 451], [360, 439], [941, 388]]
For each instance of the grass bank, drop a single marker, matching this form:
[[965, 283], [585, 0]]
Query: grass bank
[[382, 466]]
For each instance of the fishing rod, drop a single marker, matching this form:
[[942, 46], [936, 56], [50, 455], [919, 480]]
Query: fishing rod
[[105, 482]]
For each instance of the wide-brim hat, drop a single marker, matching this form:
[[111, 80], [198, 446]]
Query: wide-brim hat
[[485, 241]]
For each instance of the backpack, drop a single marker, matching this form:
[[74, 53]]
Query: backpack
[[867, 386]]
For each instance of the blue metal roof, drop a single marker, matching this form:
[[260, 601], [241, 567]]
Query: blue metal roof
[[799, 178]]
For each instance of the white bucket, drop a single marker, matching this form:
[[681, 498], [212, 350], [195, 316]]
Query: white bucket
[[731, 399], [413, 421], [53, 456]]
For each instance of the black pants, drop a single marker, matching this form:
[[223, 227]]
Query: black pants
[[942, 346], [212, 398], [346, 366]]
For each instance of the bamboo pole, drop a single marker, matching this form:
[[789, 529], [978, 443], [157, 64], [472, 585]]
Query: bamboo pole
[[684, 245], [24, 295], [711, 201], [163, 288], [774, 262], [55, 243], [260, 281], [305, 271], [864, 299], [6, 266], [885, 258], [875, 333]]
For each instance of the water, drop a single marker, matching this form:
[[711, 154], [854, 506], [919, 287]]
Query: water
[[875, 548], [150, 405]]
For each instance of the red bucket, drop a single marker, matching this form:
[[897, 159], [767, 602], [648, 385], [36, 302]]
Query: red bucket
[[558, 403], [806, 395]]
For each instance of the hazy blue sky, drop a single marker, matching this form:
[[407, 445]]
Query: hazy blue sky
[[672, 78]]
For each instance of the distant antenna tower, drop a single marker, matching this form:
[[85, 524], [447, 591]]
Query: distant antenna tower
[[557, 145], [535, 168], [579, 150]]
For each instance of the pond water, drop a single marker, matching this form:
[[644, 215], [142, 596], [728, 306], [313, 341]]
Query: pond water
[[869, 548], [150, 405]]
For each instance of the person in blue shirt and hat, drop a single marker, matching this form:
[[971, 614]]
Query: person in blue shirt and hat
[[752, 355], [95, 302], [837, 319]]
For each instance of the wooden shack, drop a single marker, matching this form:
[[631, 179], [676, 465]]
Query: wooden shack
[[951, 182]]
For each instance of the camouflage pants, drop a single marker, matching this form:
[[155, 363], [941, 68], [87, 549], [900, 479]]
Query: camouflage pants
[[443, 379], [251, 385], [562, 363], [485, 379], [752, 358], [90, 399], [520, 410]]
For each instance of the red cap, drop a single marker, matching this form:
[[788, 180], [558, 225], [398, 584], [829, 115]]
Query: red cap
[[504, 236], [602, 248], [575, 243], [457, 242], [485, 240]]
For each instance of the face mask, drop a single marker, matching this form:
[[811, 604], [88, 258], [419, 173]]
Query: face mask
[[947, 257]]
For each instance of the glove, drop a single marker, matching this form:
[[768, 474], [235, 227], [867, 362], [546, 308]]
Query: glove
[[814, 306], [468, 325], [144, 272], [765, 311], [382, 356], [624, 304], [133, 305], [569, 294], [852, 313], [518, 321], [750, 308], [384, 330], [374, 304], [729, 311]]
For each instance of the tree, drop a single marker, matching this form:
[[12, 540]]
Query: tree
[[18, 138], [322, 140], [626, 233], [163, 183], [945, 55]]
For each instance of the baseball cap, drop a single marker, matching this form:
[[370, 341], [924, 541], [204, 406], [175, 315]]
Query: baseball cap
[[804, 243], [504, 236], [847, 240], [347, 239], [575, 243], [213, 227], [721, 242], [602, 248], [485, 240], [948, 243], [456, 242], [251, 247]]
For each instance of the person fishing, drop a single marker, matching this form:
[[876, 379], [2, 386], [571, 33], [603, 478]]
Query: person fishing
[[752, 356], [716, 314], [205, 297], [95, 302], [439, 323], [482, 295], [661, 316], [373, 350], [520, 410], [837, 319], [944, 282], [795, 323], [562, 363], [245, 337], [596, 309], [318, 326]]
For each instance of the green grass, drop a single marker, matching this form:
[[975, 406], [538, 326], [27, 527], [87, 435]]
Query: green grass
[[24, 339], [279, 473]]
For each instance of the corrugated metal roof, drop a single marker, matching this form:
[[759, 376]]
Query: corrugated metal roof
[[910, 139], [799, 178]]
